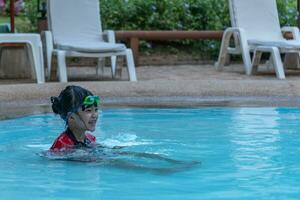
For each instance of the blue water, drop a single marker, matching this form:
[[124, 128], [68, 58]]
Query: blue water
[[245, 153]]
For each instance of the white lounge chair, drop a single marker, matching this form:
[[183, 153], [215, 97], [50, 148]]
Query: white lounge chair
[[34, 48], [75, 31], [255, 28]]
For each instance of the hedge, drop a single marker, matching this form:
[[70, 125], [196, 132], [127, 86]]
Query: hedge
[[172, 15]]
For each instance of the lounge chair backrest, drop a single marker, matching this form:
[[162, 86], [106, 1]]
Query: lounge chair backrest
[[259, 18], [74, 19]]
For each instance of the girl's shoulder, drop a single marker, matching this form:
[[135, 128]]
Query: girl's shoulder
[[62, 141], [65, 138]]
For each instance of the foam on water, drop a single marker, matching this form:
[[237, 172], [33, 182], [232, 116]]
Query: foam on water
[[125, 140], [39, 146]]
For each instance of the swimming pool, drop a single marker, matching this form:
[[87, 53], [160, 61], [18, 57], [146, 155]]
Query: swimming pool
[[245, 153]]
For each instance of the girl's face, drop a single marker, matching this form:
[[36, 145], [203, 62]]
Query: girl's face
[[87, 119]]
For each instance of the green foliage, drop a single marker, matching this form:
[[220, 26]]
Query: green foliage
[[31, 13], [288, 13], [164, 14], [172, 15], [178, 14]]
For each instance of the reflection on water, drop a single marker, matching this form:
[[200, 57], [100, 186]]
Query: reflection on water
[[255, 143]]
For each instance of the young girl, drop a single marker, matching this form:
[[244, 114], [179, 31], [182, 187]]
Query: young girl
[[78, 107]]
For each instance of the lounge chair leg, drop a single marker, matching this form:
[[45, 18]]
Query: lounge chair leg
[[40, 62], [275, 55], [291, 61], [275, 59], [62, 67], [223, 51], [100, 64], [29, 57], [49, 65], [113, 65], [246, 56], [49, 49], [255, 61], [36, 61], [130, 65]]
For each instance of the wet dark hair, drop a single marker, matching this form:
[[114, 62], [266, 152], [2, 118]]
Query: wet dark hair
[[69, 100]]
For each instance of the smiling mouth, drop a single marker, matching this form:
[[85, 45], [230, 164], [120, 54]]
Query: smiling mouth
[[93, 123]]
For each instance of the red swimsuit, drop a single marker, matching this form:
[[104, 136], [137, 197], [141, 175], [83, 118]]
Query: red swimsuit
[[67, 140]]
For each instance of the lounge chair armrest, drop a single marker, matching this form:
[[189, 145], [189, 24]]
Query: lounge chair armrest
[[109, 36], [291, 29], [233, 31]]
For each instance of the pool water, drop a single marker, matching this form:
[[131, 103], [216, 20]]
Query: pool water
[[245, 153]]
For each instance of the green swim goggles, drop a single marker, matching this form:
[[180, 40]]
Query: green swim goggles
[[87, 102], [91, 100]]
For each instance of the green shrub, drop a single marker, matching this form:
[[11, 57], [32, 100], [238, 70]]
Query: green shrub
[[172, 15], [169, 14], [178, 14], [31, 13], [164, 14], [288, 13]]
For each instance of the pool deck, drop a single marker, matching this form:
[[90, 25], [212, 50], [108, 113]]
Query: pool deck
[[167, 86]]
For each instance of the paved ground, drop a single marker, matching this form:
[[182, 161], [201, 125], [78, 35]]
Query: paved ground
[[183, 85]]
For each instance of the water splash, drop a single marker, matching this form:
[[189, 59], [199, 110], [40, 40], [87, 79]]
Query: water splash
[[125, 140], [39, 146]]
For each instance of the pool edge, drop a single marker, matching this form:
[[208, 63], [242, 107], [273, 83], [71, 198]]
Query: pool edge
[[18, 108]]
